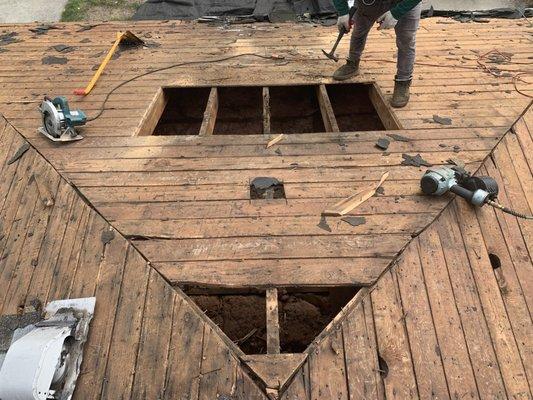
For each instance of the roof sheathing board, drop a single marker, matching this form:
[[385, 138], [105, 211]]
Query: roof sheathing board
[[469, 102]]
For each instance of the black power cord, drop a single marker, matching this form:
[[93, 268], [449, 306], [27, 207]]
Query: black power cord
[[182, 64]]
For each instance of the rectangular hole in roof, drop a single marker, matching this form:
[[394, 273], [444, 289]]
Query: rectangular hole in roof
[[254, 110], [353, 107], [240, 111], [295, 109], [184, 111]]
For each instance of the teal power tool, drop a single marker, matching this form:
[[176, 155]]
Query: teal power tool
[[331, 55], [59, 121]]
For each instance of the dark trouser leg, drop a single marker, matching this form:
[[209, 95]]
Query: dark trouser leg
[[362, 25], [406, 43]]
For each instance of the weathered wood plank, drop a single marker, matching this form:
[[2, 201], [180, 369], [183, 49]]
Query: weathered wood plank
[[393, 346], [427, 354], [449, 330], [272, 321], [186, 343], [263, 273], [361, 354], [210, 114], [502, 335], [476, 333], [124, 345], [149, 381]]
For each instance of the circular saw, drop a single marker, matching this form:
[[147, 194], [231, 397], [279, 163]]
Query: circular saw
[[59, 121]]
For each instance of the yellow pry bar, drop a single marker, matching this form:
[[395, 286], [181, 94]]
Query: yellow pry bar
[[120, 37]]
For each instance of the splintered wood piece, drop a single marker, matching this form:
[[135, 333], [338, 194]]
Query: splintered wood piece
[[44, 193], [345, 206], [210, 114], [272, 321], [275, 140]]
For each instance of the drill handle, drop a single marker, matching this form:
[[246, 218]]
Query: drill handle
[[462, 192]]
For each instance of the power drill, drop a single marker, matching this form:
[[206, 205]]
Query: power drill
[[477, 190]]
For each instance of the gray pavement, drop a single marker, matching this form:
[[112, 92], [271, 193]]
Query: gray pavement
[[12, 11]]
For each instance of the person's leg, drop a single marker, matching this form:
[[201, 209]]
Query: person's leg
[[406, 29], [362, 25]]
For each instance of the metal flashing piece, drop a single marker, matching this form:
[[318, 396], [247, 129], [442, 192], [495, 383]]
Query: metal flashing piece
[[44, 359]]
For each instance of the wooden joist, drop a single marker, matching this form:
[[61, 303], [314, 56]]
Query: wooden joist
[[210, 114]]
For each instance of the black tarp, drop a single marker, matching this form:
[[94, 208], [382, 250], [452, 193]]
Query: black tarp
[[260, 10], [288, 10]]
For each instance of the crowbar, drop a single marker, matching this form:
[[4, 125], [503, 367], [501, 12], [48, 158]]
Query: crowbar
[[126, 38]]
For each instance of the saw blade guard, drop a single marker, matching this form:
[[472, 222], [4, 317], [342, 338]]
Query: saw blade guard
[[53, 119]]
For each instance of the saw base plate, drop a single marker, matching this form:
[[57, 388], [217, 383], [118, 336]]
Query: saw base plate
[[66, 137]]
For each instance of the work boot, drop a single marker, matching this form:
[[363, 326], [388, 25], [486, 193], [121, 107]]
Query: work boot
[[351, 68], [400, 97]]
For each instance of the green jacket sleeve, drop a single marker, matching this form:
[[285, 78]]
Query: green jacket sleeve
[[341, 6], [403, 7]]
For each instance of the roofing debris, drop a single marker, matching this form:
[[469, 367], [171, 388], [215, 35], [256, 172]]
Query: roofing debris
[[344, 206], [354, 221], [383, 143], [19, 153], [323, 224], [398, 138], [9, 38], [266, 188], [43, 29], [53, 60], [414, 161], [442, 120], [87, 27], [63, 48]]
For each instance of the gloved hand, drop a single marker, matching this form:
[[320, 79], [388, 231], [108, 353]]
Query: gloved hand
[[343, 23], [386, 21]]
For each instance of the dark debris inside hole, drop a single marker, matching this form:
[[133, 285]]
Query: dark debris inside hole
[[302, 316], [266, 188]]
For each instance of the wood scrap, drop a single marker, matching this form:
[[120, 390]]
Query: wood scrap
[[345, 206], [275, 140]]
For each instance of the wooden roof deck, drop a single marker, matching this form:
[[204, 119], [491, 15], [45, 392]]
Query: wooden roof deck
[[444, 323]]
